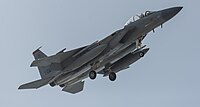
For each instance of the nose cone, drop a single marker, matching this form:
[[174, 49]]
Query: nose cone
[[145, 50], [169, 13]]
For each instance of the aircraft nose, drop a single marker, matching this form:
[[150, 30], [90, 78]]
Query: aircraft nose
[[169, 13]]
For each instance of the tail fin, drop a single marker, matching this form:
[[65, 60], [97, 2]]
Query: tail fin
[[39, 54], [44, 70]]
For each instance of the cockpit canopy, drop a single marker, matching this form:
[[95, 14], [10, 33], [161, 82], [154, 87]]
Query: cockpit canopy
[[134, 18]]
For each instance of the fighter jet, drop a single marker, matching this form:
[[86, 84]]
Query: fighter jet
[[116, 52]]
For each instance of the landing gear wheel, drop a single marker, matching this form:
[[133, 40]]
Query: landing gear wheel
[[52, 84], [112, 76], [62, 85], [92, 75], [141, 54]]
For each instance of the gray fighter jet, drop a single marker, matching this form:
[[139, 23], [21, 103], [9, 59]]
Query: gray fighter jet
[[116, 52]]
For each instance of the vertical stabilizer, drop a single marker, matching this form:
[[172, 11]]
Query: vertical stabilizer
[[44, 70], [39, 54]]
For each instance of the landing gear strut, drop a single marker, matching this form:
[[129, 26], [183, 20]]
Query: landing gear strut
[[92, 75], [138, 43]]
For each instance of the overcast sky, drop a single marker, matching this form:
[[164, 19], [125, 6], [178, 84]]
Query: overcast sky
[[168, 75]]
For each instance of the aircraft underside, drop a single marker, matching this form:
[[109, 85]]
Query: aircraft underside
[[106, 57]]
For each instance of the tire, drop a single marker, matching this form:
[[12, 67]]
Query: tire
[[112, 76], [92, 75], [62, 85], [52, 84]]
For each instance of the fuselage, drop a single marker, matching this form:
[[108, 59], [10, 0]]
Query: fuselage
[[118, 45], [112, 54]]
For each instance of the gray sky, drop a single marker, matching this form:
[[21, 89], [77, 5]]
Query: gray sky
[[168, 76]]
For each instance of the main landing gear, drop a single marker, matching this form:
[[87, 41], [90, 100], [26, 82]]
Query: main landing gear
[[92, 75], [52, 84], [112, 75]]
